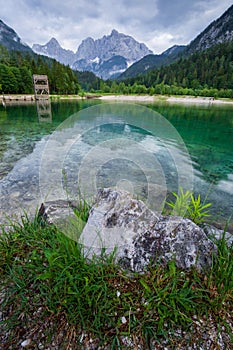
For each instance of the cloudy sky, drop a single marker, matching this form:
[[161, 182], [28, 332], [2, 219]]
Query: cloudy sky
[[158, 23]]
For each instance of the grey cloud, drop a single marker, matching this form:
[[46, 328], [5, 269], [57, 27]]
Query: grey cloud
[[172, 12], [158, 23], [69, 9]]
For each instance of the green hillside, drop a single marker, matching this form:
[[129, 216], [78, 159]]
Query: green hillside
[[152, 62], [209, 69]]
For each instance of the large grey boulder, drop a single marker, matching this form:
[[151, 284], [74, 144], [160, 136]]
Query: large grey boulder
[[141, 236]]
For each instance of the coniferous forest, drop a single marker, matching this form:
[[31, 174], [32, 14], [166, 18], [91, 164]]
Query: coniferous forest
[[204, 73], [209, 71], [17, 68]]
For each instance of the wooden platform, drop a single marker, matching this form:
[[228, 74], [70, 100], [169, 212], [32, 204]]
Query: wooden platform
[[41, 86], [6, 99]]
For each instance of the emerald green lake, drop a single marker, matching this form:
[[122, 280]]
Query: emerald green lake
[[149, 148]]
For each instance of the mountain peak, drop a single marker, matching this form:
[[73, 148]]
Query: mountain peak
[[115, 44], [114, 32], [53, 41], [53, 49], [110, 55]]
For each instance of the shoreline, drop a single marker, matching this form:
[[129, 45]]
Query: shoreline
[[8, 99], [162, 98]]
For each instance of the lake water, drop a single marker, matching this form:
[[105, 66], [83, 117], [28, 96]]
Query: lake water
[[72, 147]]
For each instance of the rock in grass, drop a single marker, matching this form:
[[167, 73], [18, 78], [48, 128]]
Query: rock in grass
[[58, 211], [26, 343], [117, 222], [216, 234], [141, 236], [68, 216]]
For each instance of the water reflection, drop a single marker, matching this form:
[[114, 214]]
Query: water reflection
[[44, 111]]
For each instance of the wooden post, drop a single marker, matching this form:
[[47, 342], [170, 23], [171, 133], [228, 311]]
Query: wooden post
[[41, 86]]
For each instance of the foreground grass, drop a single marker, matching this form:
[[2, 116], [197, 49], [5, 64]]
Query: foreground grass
[[54, 298]]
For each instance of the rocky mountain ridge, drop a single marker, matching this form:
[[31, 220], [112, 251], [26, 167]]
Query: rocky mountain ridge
[[115, 44], [54, 50], [107, 57], [10, 39], [219, 31]]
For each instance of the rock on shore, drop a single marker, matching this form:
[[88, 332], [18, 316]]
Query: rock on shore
[[142, 236], [138, 235]]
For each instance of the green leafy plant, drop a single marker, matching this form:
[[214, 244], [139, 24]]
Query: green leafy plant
[[180, 203], [197, 210], [185, 204]]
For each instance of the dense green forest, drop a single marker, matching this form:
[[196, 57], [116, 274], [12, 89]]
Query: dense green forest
[[89, 81], [208, 72], [204, 73], [17, 68]]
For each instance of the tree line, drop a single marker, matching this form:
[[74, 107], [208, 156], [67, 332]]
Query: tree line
[[204, 73], [208, 72], [17, 68]]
